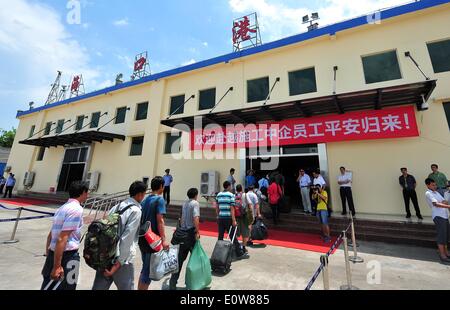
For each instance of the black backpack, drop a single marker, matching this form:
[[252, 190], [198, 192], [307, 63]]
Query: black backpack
[[102, 238]]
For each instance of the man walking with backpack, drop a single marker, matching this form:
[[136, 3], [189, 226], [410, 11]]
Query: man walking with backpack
[[122, 270], [63, 261], [153, 211]]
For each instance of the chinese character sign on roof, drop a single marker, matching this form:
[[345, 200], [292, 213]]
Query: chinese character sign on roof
[[141, 66], [246, 32]]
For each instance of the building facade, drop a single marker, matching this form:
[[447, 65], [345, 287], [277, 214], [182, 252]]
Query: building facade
[[357, 66]]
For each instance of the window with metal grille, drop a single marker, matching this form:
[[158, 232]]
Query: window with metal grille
[[440, 55], [176, 105], [48, 128], [302, 82], [173, 144], [59, 126], [258, 89], [80, 122], [381, 67], [137, 144], [207, 99], [142, 111], [95, 120], [121, 115]]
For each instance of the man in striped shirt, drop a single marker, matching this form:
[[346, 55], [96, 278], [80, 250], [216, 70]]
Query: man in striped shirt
[[225, 217]]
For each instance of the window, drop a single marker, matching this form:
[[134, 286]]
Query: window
[[257, 90], [120, 115], [173, 144], [48, 128], [95, 119], [136, 146], [141, 111], [33, 128], [440, 55], [76, 155], [41, 153], [207, 99], [381, 67], [302, 82], [447, 112], [80, 121], [59, 126], [177, 105]]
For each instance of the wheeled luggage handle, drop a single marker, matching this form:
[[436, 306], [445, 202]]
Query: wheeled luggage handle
[[56, 286], [235, 231]]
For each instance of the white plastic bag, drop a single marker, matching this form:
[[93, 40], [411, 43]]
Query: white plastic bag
[[164, 263]]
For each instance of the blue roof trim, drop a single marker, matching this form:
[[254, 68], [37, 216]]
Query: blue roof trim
[[328, 30]]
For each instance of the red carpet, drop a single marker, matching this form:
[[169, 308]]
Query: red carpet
[[285, 239], [23, 202]]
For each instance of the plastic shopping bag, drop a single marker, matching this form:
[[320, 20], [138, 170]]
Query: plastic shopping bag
[[164, 263], [198, 271]]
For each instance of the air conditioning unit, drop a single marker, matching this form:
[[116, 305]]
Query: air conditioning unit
[[93, 178], [209, 183], [28, 180]]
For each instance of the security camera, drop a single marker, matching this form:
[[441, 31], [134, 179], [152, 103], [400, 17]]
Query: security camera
[[425, 105]]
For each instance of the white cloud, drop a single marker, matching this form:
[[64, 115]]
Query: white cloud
[[205, 44], [128, 61], [189, 62], [35, 44], [277, 20], [121, 22]]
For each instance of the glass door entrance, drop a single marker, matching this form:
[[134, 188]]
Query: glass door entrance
[[73, 167]]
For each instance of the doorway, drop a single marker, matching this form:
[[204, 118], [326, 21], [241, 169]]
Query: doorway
[[291, 160], [73, 167]]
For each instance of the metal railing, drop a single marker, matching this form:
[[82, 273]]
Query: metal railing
[[99, 206], [324, 260]]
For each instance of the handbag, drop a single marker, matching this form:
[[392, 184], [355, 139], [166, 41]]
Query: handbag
[[198, 271], [164, 263], [183, 236], [153, 242]]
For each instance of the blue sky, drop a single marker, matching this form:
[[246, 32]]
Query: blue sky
[[36, 40]]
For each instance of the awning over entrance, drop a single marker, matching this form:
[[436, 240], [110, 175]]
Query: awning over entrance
[[377, 99], [73, 139]]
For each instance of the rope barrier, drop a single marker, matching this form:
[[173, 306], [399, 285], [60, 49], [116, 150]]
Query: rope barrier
[[26, 209], [25, 218], [336, 244], [314, 278]]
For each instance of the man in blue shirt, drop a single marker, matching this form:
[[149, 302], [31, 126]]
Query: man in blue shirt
[[250, 179], [168, 179], [153, 211], [264, 183], [10, 183]]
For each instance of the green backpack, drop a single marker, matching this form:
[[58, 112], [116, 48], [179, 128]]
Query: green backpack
[[102, 238]]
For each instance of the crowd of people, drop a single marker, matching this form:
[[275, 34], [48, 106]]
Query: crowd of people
[[63, 242], [238, 208]]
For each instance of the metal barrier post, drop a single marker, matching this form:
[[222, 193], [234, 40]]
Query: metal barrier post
[[349, 286], [13, 235], [350, 242], [325, 275], [355, 258]]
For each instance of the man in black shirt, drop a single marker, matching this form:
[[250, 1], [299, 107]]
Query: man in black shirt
[[408, 183]]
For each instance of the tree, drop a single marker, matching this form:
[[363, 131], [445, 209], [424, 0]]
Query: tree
[[7, 137]]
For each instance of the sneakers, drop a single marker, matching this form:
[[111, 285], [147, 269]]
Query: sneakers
[[445, 261], [420, 217], [244, 256], [408, 216]]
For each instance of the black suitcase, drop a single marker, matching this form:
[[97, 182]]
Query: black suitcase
[[222, 255]]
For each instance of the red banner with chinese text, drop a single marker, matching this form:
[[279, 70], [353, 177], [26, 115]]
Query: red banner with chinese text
[[363, 125]]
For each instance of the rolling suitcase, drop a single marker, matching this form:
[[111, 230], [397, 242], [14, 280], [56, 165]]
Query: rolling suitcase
[[221, 257]]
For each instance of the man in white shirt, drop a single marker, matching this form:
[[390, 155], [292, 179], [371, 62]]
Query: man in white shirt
[[345, 181], [305, 184], [439, 209]]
